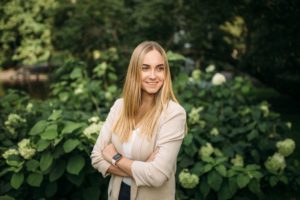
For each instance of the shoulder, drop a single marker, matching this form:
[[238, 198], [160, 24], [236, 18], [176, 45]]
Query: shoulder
[[174, 108], [118, 103]]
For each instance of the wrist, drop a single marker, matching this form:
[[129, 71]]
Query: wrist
[[116, 158]]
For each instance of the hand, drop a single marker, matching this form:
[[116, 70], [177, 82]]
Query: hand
[[152, 155], [108, 152]]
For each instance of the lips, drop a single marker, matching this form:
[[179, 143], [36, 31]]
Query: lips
[[151, 83]]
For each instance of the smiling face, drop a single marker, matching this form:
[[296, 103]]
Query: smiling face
[[152, 72]]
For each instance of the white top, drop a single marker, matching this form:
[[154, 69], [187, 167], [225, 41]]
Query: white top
[[127, 148]]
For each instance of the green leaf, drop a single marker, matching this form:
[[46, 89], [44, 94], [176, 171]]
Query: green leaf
[[188, 140], [224, 192], [70, 145], [242, 180], [76, 179], [204, 187], [207, 168], [252, 167], [55, 115], [75, 164], [254, 186], [186, 162], [273, 181], [214, 180], [76, 73], [17, 180], [35, 179], [46, 161], [51, 189], [57, 170], [42, 145], [50, 133], [222, 170], [6, 197], [284, 179], [38, 127], [252, 135], [262, 127], [208, 159], [232, 185], [70, 127], [32, 165], [197, 168], [256, 174]]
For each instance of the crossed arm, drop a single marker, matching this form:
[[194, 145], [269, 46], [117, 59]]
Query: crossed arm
[[159, 167], [123, 166]]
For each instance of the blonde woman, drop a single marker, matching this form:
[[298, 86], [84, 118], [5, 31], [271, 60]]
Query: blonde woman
[[141, 137]]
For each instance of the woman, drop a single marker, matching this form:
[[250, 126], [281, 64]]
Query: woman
[[141, 137]]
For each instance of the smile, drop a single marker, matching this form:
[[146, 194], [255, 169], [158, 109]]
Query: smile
[[152, 83]]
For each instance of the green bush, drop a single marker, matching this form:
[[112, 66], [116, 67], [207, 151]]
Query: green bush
[[235, 147], [45, 145]]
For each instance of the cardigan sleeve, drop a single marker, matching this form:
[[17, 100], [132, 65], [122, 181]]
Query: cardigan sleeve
[[104, 138], [169, 140]]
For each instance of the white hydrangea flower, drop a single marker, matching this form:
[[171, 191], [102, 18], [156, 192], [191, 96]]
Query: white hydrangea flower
[[29, 107], [196, 74], [13, 120], [210, 68], [25, 148], [9, 152], [188, 180], [94, 119], [79, 90], [265, 109], [218, 79], [96, 54], [92, 130], [289, 125], [238, 160], [286, 147], [108, 96], [194, 115], [214, 132], [275, 163], [206, 150]]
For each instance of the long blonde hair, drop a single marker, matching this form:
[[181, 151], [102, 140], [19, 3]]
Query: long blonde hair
[[132, 95]]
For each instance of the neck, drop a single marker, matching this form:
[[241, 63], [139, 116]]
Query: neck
[[147, 99]]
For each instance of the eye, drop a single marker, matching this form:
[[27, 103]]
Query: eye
[[145, 68], [161, 68]]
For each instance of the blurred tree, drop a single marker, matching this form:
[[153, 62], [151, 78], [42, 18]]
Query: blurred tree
[[25, 31]]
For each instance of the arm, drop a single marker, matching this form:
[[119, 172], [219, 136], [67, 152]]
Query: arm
[[124, 164], [158, 170], [98, 161], [170, 137]]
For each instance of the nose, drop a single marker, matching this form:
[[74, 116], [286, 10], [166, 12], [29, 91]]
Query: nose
[[152, 74]]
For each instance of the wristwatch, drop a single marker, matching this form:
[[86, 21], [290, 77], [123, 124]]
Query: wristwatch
[[116, 158]]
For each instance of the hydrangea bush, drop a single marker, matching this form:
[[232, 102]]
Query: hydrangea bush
[[235, 146], [234, 149], [45, 145]]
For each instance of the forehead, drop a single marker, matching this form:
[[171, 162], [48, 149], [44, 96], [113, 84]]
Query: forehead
[[153, 57]]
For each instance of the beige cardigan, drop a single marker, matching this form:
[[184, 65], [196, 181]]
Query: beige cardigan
[[151, 180]]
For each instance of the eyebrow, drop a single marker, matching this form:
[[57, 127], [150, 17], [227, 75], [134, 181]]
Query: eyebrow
[[159, 65]]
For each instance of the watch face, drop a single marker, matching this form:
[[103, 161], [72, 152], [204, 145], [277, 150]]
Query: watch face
[[117, 157]]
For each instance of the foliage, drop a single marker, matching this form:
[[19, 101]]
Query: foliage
[[260, 37], [237, 148], [25, 31], [234, 148], [45, 146]]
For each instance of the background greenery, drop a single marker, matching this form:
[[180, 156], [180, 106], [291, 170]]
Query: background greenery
[[86, 46]]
